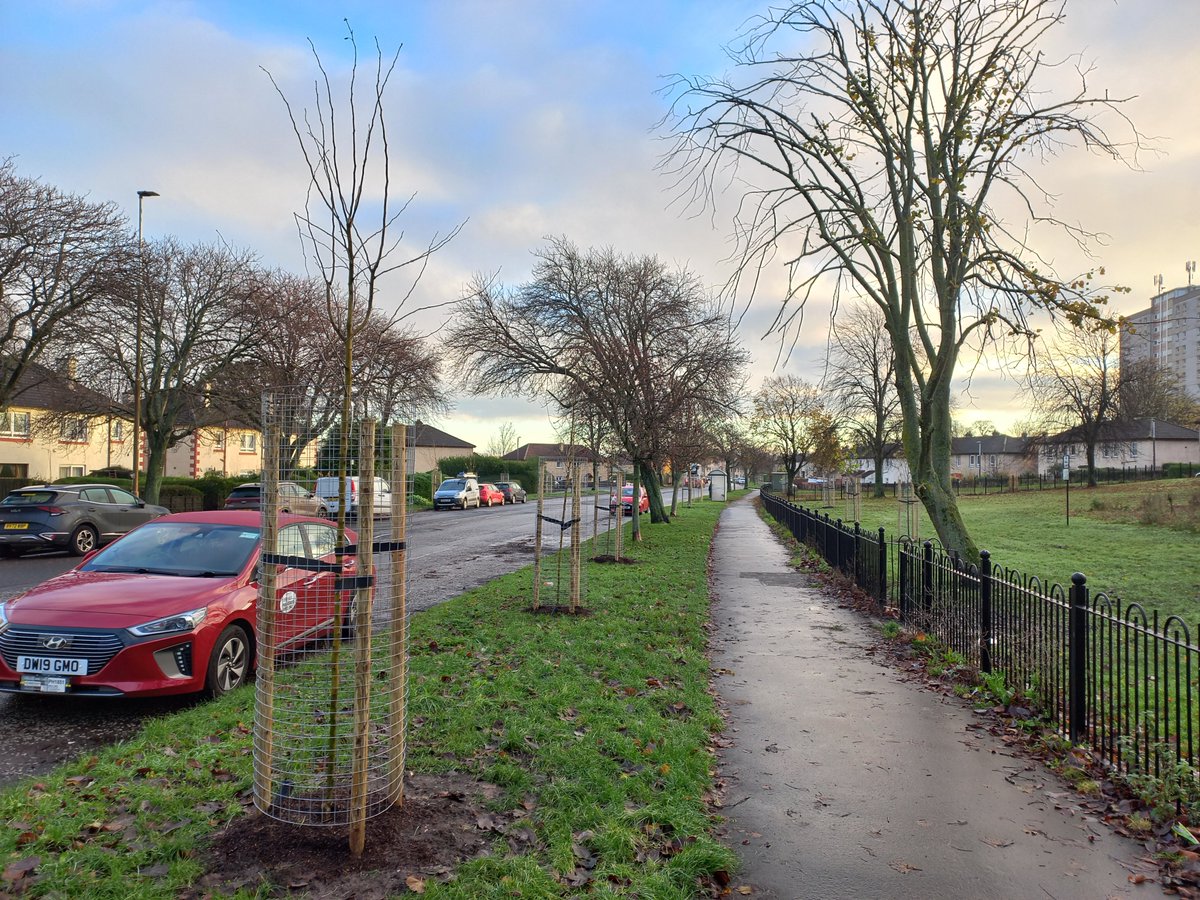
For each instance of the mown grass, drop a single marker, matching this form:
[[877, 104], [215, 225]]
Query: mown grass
[[604, 720], [1119, 537]]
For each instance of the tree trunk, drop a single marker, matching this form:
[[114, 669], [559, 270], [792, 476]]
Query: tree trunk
[[634, 505], [927, 434], [1091, 463], [658, 512], [877, 491], [675, 491], [156, 464]]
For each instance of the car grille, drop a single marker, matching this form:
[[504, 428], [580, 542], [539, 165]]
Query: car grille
[[97, 647]]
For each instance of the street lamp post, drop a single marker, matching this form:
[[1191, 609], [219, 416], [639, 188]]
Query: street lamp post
[[137, 351]]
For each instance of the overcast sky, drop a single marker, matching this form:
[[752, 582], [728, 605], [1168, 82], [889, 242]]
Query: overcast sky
[[521, 119]]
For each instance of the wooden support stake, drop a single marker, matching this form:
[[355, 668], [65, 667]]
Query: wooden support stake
[[361, 639], [537, 540], [264, 692], [576, 536], [398, 633]]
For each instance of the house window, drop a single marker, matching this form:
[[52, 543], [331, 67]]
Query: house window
[[1133, 449], [14, 470], [14, 424], [70, 471], [249, 443], [219, 441], [992, 461], [74, 431], [958, 461], [972, 461], [116, 430]]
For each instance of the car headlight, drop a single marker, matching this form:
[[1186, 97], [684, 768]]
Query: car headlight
[[3, 618], [180, 622]]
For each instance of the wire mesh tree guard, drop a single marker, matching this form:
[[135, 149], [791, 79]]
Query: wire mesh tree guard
[[908, 515], [548, 592], [330, 700]]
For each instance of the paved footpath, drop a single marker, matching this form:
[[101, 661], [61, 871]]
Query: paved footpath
[[845, 781]]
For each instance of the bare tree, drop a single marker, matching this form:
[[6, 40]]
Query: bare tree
[[862, 382], [504, 440], [787, 420], [1075, 386], [631, 338], [879, 137], [59, 253], [198, 320], [1147, 391]]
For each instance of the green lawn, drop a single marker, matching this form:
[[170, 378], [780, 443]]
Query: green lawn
[[605, 720], [1135, 541]]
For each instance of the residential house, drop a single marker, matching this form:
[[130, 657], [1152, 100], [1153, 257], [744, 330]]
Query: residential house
[[431, 445], [1138, 444], [895, 465], [992, 455], [559, 458], [45, 435]]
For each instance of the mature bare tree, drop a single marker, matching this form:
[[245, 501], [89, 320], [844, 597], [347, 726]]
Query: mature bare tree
[[1076, 385], [789, 419], [504, 440], [632, 338], [861, 380], [1148, 391], [59, 253], [880, 137], [197, 320]]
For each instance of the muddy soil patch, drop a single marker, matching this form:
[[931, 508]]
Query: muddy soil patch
[[445, 821]]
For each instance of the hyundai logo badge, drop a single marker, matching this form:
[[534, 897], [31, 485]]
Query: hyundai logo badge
[[55, 642]]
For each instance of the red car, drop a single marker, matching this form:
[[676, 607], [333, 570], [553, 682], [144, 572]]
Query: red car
[[168, 609], [490, 495], [626, 501]]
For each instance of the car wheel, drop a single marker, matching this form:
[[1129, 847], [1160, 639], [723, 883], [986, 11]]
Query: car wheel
[[229, 665], [84, 539]]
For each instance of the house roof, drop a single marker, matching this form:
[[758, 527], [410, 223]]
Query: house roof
[[40, 387], [991, 444], [1134, 430], [550, 451], [425, 435]]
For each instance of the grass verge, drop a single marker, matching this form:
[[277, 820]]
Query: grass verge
[[603, 720]]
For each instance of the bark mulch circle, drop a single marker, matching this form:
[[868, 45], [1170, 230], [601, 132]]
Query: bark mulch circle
[[444, 821]]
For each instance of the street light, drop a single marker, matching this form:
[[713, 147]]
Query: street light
[[137, 350]]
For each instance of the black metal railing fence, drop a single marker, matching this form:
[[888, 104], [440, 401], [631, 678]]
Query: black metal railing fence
[[1106, 674]]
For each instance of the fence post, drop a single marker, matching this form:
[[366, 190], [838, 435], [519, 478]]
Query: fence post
[[927, 580], [838, 548], [883, 585], [904, 576], [985, 611], [857, 555], [1077, 657]]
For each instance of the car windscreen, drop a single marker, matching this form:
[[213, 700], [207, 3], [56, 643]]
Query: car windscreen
[[25, 498], [243, 492], [452, 484], [189, 549]]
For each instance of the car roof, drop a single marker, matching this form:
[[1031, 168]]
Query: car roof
[[71, 488], [244, 517]]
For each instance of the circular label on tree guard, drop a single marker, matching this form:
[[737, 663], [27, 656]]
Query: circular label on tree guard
[[287, 602]]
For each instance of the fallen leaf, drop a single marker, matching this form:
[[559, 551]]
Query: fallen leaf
[[415, 884]]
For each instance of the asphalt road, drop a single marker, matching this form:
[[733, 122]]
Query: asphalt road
[[448, 553]]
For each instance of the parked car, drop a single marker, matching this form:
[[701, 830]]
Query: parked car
[[512, 490], [490, 494], [74, 517], [292, 498], [459, 492], [625, 502], [326, 491], [167, 609]]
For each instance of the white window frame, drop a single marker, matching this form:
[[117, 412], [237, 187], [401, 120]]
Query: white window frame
[[70, 471], [8, 424], [74, 430], [248, 442], [116, 430]]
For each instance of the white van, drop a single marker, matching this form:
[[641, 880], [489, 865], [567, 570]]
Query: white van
[[326, 491]]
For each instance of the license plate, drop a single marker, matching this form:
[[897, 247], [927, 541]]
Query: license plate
[[47, 684], [16, 526], [51, 665]]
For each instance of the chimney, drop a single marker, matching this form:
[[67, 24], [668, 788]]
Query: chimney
[[207, 394]]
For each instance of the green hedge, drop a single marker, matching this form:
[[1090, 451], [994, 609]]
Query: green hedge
[[492, 468]]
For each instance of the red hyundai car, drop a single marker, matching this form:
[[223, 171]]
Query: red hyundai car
[[625, 502], [169, 608]]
